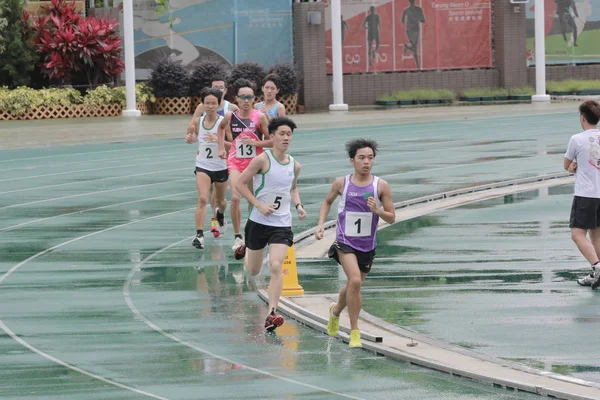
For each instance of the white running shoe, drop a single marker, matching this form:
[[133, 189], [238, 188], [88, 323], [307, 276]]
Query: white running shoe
[[237, 243]]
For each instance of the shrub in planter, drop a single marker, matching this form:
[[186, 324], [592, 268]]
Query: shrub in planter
[[169, 79], [522, 93], [204, 73], [75, 47], [20, 100], [289, 83], [143, 94], [101, 96], [250, 70], [404, 97], [59, 97], [386, 100]]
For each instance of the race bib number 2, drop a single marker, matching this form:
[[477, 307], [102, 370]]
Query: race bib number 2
[[208, 151], [358, 224], [245, 151]]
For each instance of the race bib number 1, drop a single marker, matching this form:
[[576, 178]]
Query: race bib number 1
[[245, 151], [358, 224], [208, 151]]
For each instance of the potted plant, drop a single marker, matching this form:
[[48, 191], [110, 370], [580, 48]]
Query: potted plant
[[386, 100], [588, 88], [499, 94], [563, 88], [170, 83], [446, 96], [471, 95], [404, 97], [289, 85], [250, 70], [521, 94]]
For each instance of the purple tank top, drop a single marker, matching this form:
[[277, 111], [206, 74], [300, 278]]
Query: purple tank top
[[356, 224]]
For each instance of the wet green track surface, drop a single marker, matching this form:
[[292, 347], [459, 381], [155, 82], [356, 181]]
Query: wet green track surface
[[99, 274]]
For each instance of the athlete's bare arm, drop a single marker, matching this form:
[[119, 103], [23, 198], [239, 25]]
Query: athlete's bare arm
[[388, 214], [281, 110], [258, 164], [334, 192], [193, 125], [192, 134], [570, 165], [296, 195], [221, 133], [264, 128]]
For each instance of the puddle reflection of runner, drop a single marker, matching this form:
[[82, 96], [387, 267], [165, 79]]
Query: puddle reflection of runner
[[411, 17], [563, 11], [373, 26]]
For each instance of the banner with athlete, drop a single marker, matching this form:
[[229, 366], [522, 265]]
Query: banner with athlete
[[405, 35], [572, 29]]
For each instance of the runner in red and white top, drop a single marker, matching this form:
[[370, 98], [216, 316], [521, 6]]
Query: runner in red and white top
[[247, 131]]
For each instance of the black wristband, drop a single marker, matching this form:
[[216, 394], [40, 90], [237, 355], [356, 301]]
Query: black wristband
[[298, 205]]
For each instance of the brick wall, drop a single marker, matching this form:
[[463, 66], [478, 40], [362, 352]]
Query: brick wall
[[564, 72]]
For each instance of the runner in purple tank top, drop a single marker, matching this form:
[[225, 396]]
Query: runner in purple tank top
[[362, 197]]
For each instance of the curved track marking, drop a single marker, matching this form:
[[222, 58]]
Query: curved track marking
[[10, 333], [126, 294], [91, 193], [171, 160], [35, 221], [93, 180]]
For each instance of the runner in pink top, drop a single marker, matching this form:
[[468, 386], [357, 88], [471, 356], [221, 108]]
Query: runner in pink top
[[246, 130]]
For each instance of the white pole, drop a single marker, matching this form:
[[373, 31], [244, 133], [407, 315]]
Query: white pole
[[130, 109], [540, 55], [336, 57]]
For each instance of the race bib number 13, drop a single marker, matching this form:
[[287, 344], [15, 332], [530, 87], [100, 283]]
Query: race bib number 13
[[358, 224], [245, 151]]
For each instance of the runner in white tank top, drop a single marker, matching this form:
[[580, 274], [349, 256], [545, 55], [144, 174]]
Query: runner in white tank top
[[271, 107], [218, 225], [275, 175], [210, 168]]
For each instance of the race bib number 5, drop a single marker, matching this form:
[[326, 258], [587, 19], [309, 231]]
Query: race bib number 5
[[358, 224], [245, 151], [208, 151], [280, 201]]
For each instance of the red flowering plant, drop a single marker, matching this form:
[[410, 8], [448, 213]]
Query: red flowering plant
[[71, 45]]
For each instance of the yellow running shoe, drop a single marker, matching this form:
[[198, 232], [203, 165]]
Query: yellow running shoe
[[334, 322], [214, 227], [355, 338]]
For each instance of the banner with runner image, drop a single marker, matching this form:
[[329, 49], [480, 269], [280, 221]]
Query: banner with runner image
[[406, 35], [572, 29]]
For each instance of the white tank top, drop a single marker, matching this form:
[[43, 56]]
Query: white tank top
[[274, 187], [207, 156]]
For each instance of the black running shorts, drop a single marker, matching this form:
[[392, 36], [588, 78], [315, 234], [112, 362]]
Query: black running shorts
[[259, 235], [365, 259], [585, 213], [215, 176]]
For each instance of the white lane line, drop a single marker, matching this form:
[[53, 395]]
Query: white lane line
[[91, 152], [58, 246], [96, 192], [139, 316], [35, 221], [172, 160], [88, 161], [96, 180], [10, 333]]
